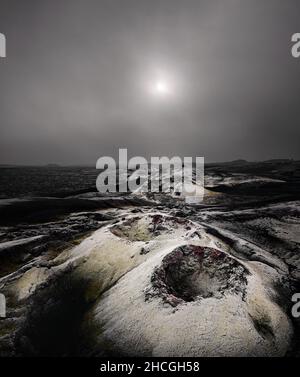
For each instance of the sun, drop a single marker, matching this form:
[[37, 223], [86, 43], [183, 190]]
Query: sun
[[161, 87]]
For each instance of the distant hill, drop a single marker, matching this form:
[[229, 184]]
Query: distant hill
[[231, 163], [279, 160], [52, 166]]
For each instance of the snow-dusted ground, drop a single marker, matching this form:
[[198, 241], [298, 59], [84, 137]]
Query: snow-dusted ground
[[116, 264], [209, 326], [124, 281]]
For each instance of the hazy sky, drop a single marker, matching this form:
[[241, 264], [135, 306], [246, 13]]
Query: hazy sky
[[79, 79]]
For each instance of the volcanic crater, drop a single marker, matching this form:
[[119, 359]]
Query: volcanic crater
[[190, 273]]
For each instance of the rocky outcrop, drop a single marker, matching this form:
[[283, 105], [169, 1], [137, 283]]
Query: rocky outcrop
[[191, 299]]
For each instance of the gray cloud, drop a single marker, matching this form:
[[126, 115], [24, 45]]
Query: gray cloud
[[73, 83]]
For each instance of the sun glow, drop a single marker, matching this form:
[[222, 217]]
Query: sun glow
[[161, 87]]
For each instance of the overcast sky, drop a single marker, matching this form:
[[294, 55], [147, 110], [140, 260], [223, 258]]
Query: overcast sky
[[76, 83]]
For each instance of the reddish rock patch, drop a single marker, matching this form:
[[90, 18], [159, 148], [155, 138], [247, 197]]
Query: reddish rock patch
[[192, 272]]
